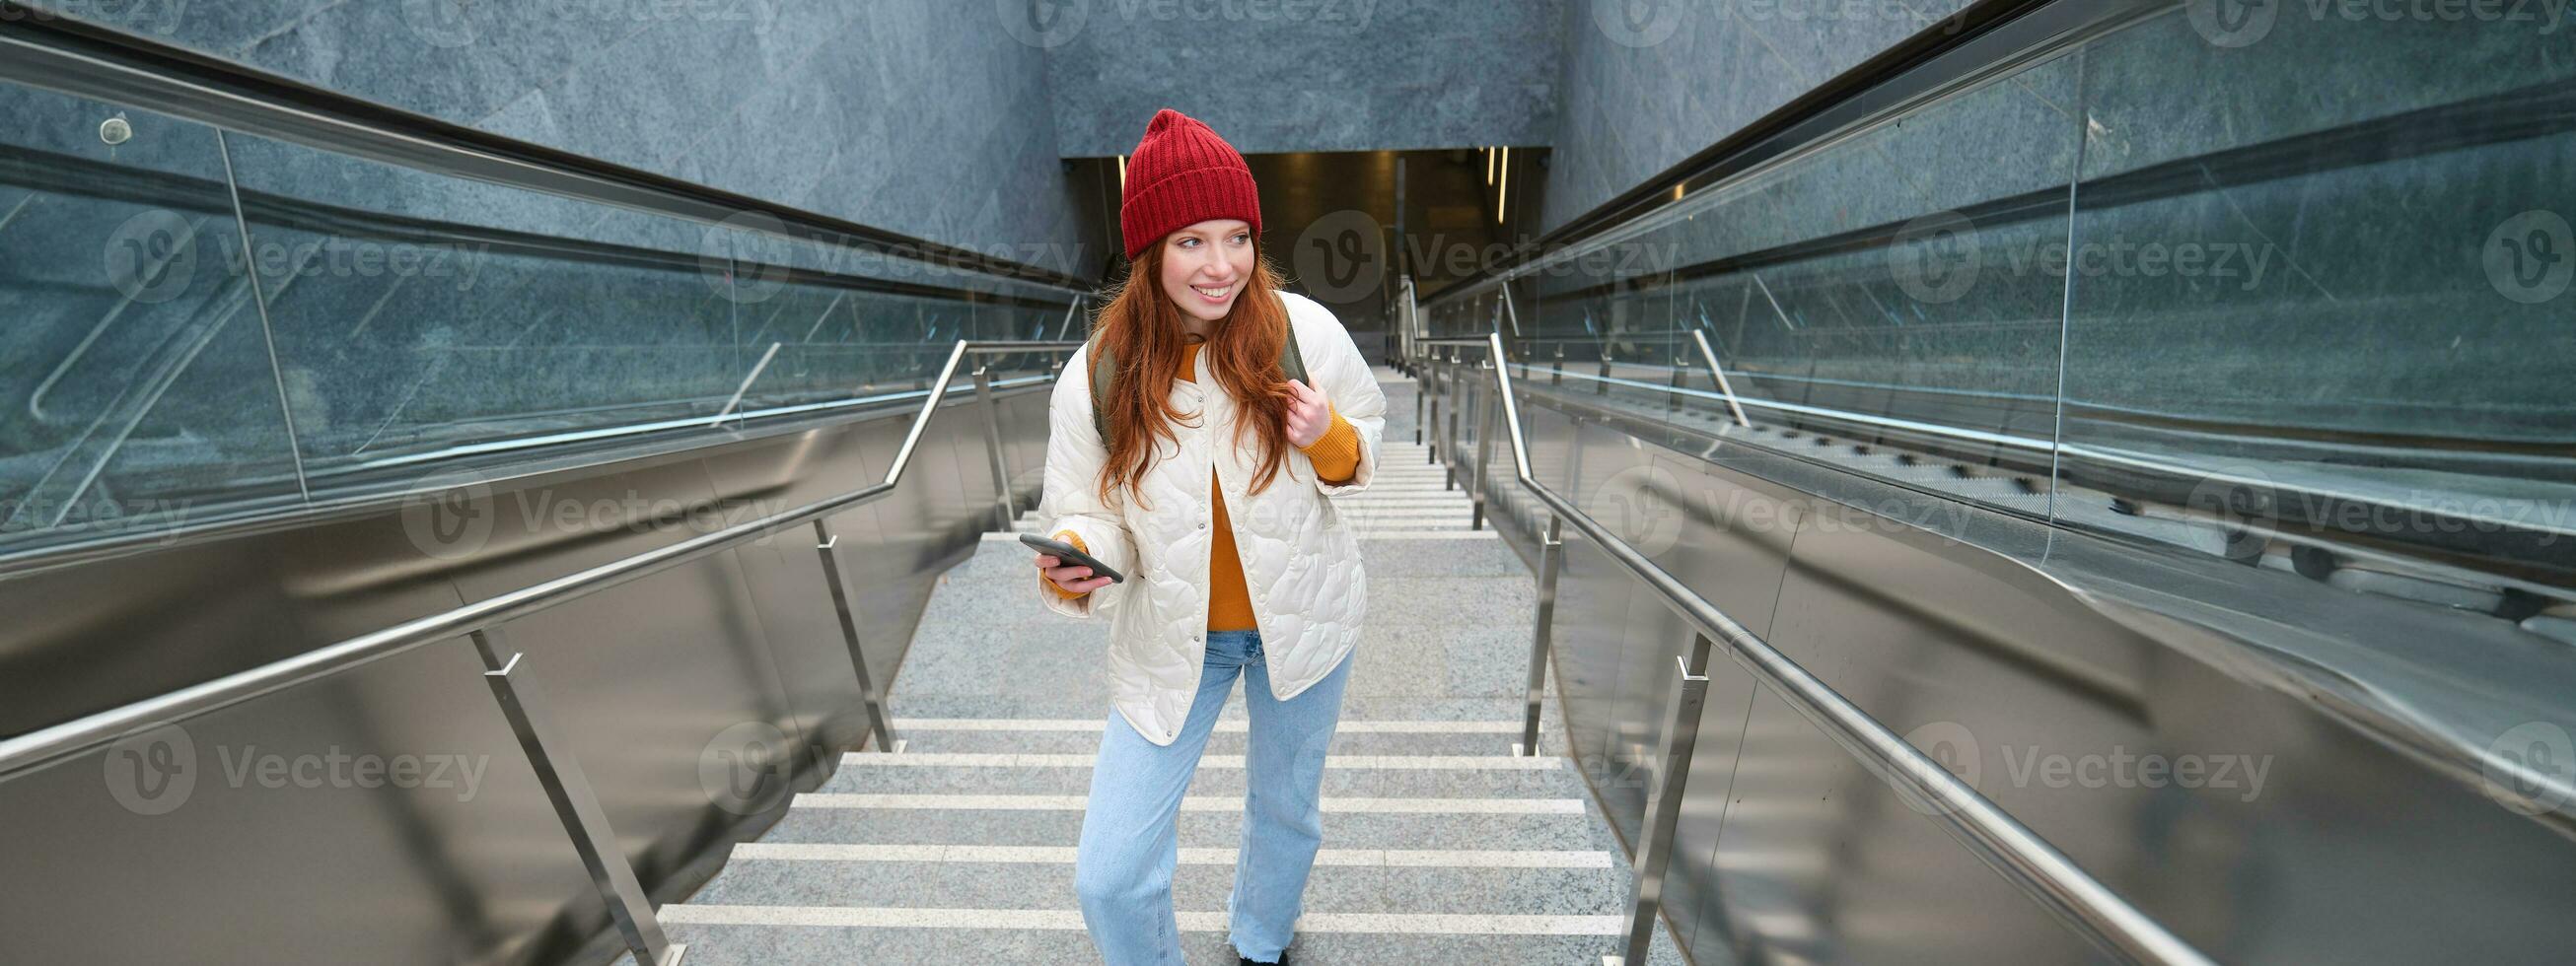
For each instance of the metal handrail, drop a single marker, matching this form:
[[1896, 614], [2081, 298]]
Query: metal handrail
[[42, 746], [513, 687], [2027, 860]]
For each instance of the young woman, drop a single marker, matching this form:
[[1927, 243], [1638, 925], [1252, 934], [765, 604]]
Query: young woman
[[1207, 493]]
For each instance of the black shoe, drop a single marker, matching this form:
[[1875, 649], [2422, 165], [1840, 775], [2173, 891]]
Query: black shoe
[[1283, 959]]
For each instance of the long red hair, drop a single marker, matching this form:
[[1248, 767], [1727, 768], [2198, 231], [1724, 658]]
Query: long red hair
[[1142, 329]]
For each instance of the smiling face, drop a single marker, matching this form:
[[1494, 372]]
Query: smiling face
[[1205, 266]]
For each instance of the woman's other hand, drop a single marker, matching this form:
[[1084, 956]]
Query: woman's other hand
[[1308, 416]]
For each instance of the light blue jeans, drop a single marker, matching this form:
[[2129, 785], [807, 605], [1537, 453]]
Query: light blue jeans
[[1130, 838]]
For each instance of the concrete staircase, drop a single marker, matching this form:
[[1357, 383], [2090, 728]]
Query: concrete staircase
[[1440, 844]]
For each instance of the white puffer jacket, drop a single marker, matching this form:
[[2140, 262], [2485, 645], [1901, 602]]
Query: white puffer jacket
[[1300, 559]]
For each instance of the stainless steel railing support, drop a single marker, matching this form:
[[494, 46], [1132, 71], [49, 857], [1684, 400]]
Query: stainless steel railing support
[[1551, 559], [1484, 451], [1449, 468], [1718, 372], [1004, 504], [523, 703], [1664, 807], [879, 722]]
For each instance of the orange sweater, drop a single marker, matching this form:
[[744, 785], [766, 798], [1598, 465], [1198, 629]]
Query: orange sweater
[[1337, 459]]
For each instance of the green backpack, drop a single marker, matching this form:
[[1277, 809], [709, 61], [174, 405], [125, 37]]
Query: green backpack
[[1104, 367]]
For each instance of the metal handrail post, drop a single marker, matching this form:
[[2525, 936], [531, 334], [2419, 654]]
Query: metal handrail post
[[1551, 558], [879, 723], [1007, 506], [1673, 400], [1484, 454], [523, 703], [1449, 466], [1431, 365], [1718, 371], [1664, 807]]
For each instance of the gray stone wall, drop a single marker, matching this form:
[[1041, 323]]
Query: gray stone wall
[[1300, 75], [1648, 83], [919, 117]]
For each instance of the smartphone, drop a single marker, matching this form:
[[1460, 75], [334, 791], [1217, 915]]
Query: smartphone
[[1072, 558]]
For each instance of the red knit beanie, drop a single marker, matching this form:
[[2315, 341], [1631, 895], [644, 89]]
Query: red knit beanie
[[1180, 175]]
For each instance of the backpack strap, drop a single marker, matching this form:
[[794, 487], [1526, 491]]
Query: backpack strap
[[1104, 367], [1292, 363]]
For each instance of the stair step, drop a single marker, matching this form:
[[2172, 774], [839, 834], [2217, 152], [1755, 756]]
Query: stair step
[[1343, 777], [1056, 820], [1083, 736], [1492, 890], [716, 937]]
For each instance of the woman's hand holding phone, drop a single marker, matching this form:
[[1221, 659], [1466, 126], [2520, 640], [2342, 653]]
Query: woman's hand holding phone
[[1074, 579]]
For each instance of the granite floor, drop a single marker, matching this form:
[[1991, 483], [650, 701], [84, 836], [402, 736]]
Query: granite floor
[[1441, 845]]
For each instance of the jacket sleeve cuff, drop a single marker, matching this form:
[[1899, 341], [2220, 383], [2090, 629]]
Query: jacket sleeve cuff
[[1337, 453]]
